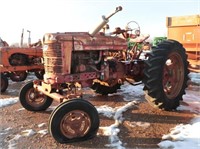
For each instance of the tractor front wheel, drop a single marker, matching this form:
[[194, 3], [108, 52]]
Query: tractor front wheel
[[74, 120], [33, 100], [166, 75]]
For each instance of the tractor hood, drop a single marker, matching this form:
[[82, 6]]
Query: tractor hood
[[83, 41]]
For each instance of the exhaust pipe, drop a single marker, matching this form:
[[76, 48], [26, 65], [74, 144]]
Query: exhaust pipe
[[29, 37], [22, 38], [104, 22]]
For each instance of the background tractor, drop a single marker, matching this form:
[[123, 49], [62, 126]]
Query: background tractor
[[102, 61], [16, 62]]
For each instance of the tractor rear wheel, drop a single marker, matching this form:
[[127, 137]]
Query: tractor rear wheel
[[4, 83], [74, 120], [33, 100], [166, 75]]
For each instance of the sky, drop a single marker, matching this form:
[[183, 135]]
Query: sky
[[49, 16], [182, 136]]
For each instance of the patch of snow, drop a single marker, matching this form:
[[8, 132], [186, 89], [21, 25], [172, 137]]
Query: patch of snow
[[106, 110], [43, 132], [12, 142], [182, 137], [192, 101], [136, 91], [139, 123], [28, 132], [8, 101], [41, 125], [194, 77], [5, 131], [21, 109], [113, 130]]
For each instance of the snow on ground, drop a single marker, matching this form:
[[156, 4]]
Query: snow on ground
[[25, 133], [192, 101], [195, 77], [129, 91], [8, 101], [180, 137], [113, 130], [183, 136]]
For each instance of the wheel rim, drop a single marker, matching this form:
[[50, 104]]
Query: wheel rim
[[173, 75], [35, 98], [75, 124]]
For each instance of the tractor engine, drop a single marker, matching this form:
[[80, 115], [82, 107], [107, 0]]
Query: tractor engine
[[84, 61]]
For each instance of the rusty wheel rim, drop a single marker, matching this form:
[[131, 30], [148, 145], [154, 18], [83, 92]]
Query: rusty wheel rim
[[173, 75], [35, 98], [75, 124]]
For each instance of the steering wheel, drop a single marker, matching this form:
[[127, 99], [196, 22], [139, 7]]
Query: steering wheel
[[131, 27]]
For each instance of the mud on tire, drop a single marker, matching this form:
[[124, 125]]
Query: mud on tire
[[166, 75]]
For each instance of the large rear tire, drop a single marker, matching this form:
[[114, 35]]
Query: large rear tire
[[74, 120], [33, 100], [4, 83], [166, 75]]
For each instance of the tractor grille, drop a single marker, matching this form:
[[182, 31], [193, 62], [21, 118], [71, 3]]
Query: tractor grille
[[53, 58]]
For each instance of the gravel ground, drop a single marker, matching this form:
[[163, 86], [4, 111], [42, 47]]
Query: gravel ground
[[155, 123]]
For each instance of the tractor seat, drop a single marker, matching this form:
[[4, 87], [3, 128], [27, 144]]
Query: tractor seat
[[140, 38]]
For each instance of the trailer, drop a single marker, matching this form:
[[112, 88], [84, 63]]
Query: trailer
[[186, 30]]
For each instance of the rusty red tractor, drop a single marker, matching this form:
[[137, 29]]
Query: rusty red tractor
[[102, 62], [16, 62]]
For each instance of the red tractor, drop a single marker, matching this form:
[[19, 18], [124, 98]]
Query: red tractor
[[102, 62], [16, 62]]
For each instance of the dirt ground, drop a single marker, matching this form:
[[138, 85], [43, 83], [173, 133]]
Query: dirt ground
[[14, 120]]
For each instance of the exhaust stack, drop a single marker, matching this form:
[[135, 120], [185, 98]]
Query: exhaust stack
[[104, 22]]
